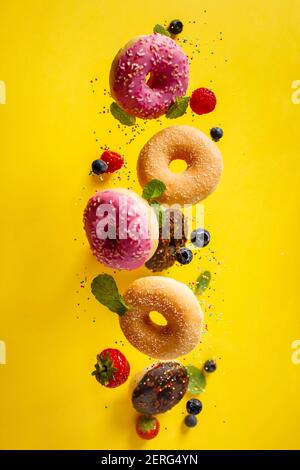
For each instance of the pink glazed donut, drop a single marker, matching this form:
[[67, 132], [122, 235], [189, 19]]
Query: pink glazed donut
[[122, 228], [155, 56]]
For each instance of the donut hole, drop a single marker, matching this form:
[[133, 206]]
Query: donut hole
[[150, 80], [155, 81], [178, 165], [157, 318]]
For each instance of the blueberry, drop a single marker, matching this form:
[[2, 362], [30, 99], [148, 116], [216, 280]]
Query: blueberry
[[216, 133], [200, 237], [194, 406], [184, 255], [190, 421], [175, 27], [210, 365], [99, 167]]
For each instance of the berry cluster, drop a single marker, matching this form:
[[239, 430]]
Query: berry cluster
[[199, 238], [194, 406], [108, 163]]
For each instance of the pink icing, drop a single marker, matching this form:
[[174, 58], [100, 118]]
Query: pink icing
[[161, 57], [128, 249]]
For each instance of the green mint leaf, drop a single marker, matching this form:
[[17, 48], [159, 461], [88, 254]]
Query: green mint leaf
[[178, 108], [197, 380], [153, 189], [121, 115], [158, 28], [159, 212], [202, 282], [105, 289]]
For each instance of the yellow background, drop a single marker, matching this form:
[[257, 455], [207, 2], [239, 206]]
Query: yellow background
[[50, 50]]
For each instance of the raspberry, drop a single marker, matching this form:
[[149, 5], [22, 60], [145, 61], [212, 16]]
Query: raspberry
[[203, 101], [113, 160]]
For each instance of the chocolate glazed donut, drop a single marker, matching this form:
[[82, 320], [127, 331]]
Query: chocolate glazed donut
[[161, 388]]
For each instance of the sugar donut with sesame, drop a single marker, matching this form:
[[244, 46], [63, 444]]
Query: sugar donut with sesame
[[179, 306], [155, 56], [203, 158], [122, 228]]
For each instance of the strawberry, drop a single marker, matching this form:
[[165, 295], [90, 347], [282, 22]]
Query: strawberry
[[203, 101], [147, 427], [113, 160], [112, 368]]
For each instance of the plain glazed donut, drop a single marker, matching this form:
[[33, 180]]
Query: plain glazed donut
[[204, 164], [155, 56], [172, 299]]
